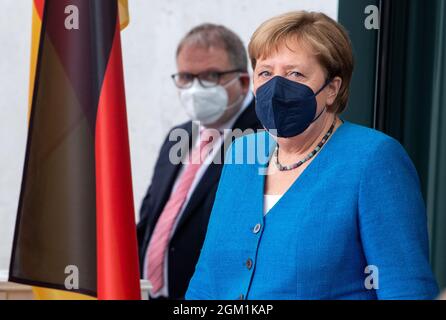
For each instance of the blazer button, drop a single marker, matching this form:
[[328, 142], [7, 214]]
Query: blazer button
[[257, 228], [249, 264]]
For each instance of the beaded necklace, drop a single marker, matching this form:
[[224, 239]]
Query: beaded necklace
[[290, 167]]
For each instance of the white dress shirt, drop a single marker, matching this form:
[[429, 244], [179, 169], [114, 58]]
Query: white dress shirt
[[269, 201]]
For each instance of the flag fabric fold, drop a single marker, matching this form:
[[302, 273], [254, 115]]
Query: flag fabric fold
[[76, 202]]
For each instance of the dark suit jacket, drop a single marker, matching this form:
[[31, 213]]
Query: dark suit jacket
[[185, 245]]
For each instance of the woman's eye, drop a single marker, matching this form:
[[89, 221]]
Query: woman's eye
[[295, 74], [264, 74]]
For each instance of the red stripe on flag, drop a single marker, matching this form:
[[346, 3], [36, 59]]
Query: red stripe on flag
[[39, 4], [117, 253]]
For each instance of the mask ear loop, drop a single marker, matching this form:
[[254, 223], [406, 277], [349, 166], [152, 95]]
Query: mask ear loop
[[327, 82], [239, 99], [230, 82], [316, 94], [320, 114]]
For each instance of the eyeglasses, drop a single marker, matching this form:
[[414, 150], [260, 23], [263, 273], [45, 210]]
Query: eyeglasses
[[209, 79]]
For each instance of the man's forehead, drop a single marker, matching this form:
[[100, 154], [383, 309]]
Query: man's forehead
[[196, 59]]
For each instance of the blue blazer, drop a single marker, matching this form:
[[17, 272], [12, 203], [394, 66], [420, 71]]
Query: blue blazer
[[352, 226]]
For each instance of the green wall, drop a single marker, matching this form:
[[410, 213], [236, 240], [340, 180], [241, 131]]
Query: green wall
[[361, 102]]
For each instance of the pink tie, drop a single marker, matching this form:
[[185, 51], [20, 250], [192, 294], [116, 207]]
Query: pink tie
[[161, 234]]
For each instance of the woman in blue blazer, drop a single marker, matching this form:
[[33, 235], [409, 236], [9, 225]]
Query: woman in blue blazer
[[314, 207]]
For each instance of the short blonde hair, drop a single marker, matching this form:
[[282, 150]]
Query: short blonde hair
[[325, 36]]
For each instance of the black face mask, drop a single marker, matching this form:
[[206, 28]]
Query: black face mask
[[286, 106]]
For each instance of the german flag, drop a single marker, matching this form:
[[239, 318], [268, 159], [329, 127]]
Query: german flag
[[75, 229]]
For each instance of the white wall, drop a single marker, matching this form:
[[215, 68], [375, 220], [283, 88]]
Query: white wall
[[15, 26], [149, 44]]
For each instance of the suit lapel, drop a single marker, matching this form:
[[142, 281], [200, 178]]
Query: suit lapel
[[168, 175]]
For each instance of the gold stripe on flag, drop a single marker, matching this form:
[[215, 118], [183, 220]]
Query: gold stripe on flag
[[124, 16], [53, 294], [35, 41]]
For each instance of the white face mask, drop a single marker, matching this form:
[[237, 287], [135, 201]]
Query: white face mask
[[206, 105]]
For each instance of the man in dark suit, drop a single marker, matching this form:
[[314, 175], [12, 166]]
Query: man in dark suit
[[214, 88]]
